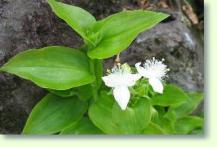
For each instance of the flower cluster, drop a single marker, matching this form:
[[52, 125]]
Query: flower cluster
[[120, 78]]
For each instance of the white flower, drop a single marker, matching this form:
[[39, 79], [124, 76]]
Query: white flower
[[154, 70], [120, 78]]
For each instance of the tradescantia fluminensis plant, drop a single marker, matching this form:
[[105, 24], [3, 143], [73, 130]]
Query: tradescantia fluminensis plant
[[81, 100]]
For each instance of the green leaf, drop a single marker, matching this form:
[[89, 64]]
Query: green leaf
[[198, 131], [188, 124], [117, 31], [134, 119], [100, 113], [53, 67], [171, 95], [171, 115], [166, 124], [52, 114], [82, 92], [64, 93], [79, 19], [189, 106], [196, 98], [160, 110], [84, 126], [108, 116], [153, 129]]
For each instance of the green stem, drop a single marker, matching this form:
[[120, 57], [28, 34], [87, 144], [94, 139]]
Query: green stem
[[94, 84]]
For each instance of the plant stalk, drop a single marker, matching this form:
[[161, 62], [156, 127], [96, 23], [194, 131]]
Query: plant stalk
[[94, 84]]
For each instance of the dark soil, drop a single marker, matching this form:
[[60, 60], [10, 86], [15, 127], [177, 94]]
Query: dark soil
[[28, 24]]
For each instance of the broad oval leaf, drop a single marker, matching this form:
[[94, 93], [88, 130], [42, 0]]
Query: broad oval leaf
[[153, 129], [100, 113], [64, 93], [166, 124], [134, 119], [171, 95], [119, 30], [79, 19], [82, 92], [109, 117], [52, 114], [198, 131], [82, 127], [187, 124], [171, 115], [187, 107], [53, 67]]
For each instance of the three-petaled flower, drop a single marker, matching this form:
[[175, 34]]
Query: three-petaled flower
[[154, 70], [120, 78]]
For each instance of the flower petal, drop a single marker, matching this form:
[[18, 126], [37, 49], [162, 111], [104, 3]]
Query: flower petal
[[140, 69], [156, 85], [132, 78], [122, 96], [110, 80], [123, 79]]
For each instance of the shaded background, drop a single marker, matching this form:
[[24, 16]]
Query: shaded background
[[26, 24]]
